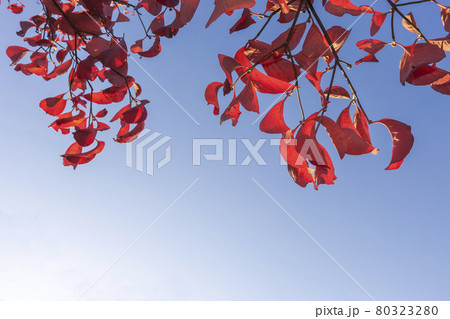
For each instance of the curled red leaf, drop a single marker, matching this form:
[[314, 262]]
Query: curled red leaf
[[402, 140], [273, 122], [211, 95]]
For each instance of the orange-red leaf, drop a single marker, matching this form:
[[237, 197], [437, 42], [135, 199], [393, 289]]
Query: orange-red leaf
[[231, 112], [15, 53], [273, 122], [223, 6], [211, 95], [74, 157], [341, 7], [135, 114], [402, 140], [244, 21], [53, 105]]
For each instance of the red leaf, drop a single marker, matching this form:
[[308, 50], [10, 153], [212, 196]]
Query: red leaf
[[362, 125], [157, 23], [376, 22], [187, 10], [158, 26], [32, 41], [345, 136], [338, 36], [426, 75], [442, 85], [16, 8], [137, 89], [231, 112], [75, 148], [56, 7], [110, 95], [282, 69], [371, 46], [417, 55], [324, 174], [118, 115], [258, 51], [169, 3], [402, 140], [248, 99], [337, 92], [115, 56], [154, 50], [301, 174], [101, 113], [53, 105], [122, 18], [97, 46], [294, 40], [283, 5], [244, 21], [222, 6], [211, 95], [85, 137], [261, 82], [86, 69], [377, 18], [356, 146], [315, 44], [135, 114], [74, 157], [38, 65], [152, 6], [60, 69], [117, 77], [137, 46], [408, 26], [315, 80], [24, 27], [341, 7], [16, 53], [445, 16], [102, 126], [83, 21], [67, 120], [309, 64], [289, 151], [443, 43], [228, 65], [273, 122], [131, 135], [309, 148]]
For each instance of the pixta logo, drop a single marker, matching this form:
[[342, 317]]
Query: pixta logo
[[142, 152], [308, 150]]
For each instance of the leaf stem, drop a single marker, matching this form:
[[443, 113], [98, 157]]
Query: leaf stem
[[413, 2], [337, 59], [392, 26], [394, 7], [288, 50]]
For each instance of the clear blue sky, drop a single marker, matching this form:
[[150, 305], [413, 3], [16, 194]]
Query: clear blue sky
[[225, 239]]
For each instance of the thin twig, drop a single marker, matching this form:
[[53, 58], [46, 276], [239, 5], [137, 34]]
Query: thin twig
[[413, 2], [394, 7], [296, 81], [337, 60]]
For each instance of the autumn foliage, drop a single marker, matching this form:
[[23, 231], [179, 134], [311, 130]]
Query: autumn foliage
[[77, 39]]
